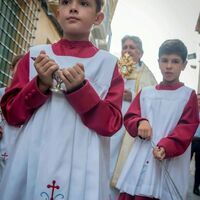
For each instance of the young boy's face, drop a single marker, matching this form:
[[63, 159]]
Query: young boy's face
[[77, 17], [171, 66]]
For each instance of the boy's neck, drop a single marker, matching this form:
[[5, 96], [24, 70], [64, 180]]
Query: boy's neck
[[164, 82], [75, 38], [173, 86]]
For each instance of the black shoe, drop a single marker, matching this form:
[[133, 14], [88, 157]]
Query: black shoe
[[196, 191]]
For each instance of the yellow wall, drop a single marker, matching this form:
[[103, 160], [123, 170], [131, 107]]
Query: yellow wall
[[45, 30]]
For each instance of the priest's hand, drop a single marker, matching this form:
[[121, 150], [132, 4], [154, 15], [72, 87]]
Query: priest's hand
[[73, 77], [144, 130], [159, 153], [127, 96]]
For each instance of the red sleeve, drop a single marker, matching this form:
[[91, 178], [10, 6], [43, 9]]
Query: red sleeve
[[178, 141], [103, 116], [23, 97], [133, 116]]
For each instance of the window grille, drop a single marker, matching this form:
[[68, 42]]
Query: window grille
[[18, 20]]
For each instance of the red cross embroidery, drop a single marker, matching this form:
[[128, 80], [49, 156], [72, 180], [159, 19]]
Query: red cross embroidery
[[4, 156], [53, 186]]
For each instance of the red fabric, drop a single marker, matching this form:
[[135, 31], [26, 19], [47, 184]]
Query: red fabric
[[124, 196], [84, 49], [133, 116], [174, 86], [103, 116], [23, 97], [177, 142]]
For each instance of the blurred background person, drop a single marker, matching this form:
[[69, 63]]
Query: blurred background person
[[140, 77], [7, 133], [196, 150]]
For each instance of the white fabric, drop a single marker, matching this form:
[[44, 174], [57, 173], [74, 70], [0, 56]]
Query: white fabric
[[144, 175], [8, 140], [56, 145], [129, 84], [2, 91], [146, 79], [116, 139], [2, 124]]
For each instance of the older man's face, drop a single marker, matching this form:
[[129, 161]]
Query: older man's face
[[131, 48]]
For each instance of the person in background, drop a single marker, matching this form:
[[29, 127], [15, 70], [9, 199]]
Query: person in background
[[7, 133], [163, 120], [139, 78], [196, 150], [62, 151]]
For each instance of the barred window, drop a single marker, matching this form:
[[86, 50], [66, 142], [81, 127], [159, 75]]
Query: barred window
[[18, 20]]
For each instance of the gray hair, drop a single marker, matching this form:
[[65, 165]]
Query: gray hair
[[135, 39]]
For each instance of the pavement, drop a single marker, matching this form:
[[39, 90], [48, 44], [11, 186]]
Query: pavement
[[192, 196]]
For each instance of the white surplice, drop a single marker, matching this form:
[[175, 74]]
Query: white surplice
[[142, 174], [56, 148]]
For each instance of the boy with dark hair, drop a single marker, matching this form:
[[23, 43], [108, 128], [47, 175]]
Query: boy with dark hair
[[163, 120], [63, 149]]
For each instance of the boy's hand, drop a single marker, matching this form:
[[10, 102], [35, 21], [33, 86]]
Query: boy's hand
[[144, 130], [127, 96], [45, 67], [73, 77], [159, 153]]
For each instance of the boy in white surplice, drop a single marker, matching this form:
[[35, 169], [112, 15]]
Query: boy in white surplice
[[163, 120], [62, 151]]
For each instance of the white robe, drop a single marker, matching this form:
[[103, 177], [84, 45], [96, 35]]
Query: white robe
[[7, 142], [143, 175], [146, 78], [55, 145]]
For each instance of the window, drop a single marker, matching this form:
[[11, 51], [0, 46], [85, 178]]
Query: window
[[18, 20]]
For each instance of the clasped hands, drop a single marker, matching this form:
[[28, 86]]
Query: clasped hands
[[145, 132], [73, 77]]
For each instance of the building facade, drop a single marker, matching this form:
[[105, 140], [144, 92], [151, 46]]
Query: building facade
[[24, 23]]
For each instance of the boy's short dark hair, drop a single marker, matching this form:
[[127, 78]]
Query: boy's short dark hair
[[173, 46], [135, 39], [100, 4]]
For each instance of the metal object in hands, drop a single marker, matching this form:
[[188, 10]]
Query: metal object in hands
[[57, 83], [171, 182], [126, 65]]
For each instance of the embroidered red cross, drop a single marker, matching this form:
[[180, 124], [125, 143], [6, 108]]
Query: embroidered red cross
[[53, 188], [4, 156]]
